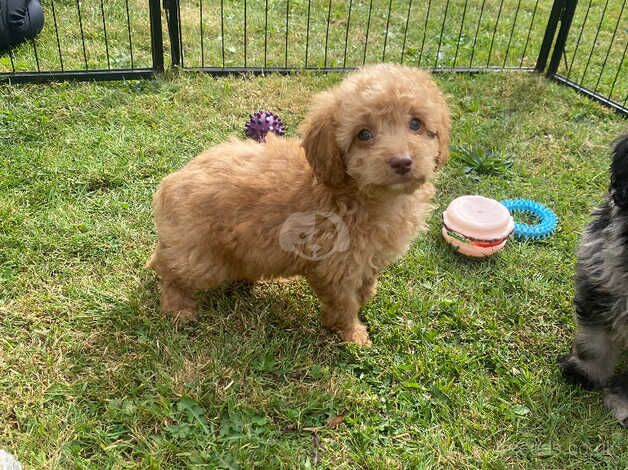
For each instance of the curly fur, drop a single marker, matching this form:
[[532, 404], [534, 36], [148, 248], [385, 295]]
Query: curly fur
[[228, 214], [601, 299]]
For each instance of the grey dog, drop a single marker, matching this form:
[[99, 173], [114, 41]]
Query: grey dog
[[601, 299]]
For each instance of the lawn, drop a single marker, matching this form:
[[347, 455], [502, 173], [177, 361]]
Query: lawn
[[462, 372], [115, 34]]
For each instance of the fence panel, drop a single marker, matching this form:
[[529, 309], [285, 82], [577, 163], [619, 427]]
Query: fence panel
[[114, 39], [90, 39], [340, 34], [593, 61]]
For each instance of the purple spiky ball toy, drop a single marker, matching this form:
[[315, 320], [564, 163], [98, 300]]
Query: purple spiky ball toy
[[261, 123]]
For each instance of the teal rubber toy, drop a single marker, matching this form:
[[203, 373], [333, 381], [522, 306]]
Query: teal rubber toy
[[547, 218]]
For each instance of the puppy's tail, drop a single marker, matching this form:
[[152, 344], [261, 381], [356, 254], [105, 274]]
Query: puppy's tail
[[619, 172]]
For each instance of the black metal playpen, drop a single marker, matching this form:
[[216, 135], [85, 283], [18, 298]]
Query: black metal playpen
[[581, 44]]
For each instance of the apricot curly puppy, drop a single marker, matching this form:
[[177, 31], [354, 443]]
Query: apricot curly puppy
[[336, 207]]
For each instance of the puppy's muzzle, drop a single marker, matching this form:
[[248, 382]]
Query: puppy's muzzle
[[401, 165]]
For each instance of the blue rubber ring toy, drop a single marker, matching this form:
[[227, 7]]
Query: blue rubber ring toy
[[547, 218]]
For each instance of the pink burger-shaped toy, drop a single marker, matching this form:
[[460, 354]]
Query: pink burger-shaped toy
[[477, 226]]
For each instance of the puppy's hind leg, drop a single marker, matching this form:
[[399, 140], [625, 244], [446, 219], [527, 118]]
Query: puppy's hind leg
[[592, 359], [616, 399], [177, 297]]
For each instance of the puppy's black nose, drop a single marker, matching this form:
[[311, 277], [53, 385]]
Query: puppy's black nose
[[401, 165]]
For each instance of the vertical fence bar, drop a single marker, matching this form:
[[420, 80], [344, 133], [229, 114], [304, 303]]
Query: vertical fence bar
[[440, 36], [597, 33], [156, 38], [182, 49], [490, 50], [621, 62], [11, 59], [128, 24], [222, 31], [80, 18], [172, 18], [610, 45], [477, 30], [200, 20], [32, 41], [245, 35], [464, 13], [265, 34], [54, 20], [307, 32], [575, 52], [512, 32], [405, 31], [327, 32], [344, 60], [427, 17], [287, 25], [550, 31], [104, 29], [368, 27], [525, 47], [386, 33], [563, 32], [34, 45]]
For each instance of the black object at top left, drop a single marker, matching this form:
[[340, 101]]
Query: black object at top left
[[20, 20]]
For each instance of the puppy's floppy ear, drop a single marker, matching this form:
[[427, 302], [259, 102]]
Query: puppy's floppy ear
[[619, 172], [443, 123], [319, 141]]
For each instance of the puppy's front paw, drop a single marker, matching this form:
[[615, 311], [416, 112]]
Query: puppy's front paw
[[573, 373], [356, 334], [184, 316]]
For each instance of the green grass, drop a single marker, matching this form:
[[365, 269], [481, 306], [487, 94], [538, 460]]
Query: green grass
[[456, 33], [463, 369]]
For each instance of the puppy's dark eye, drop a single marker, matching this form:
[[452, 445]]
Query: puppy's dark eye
[[365, 135], [414, 124]]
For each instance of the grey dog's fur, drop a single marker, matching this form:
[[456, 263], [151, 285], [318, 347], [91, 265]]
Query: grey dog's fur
[[601, 299]]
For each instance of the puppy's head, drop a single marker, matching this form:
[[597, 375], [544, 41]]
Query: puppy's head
[[619, 172], [384, 127]]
